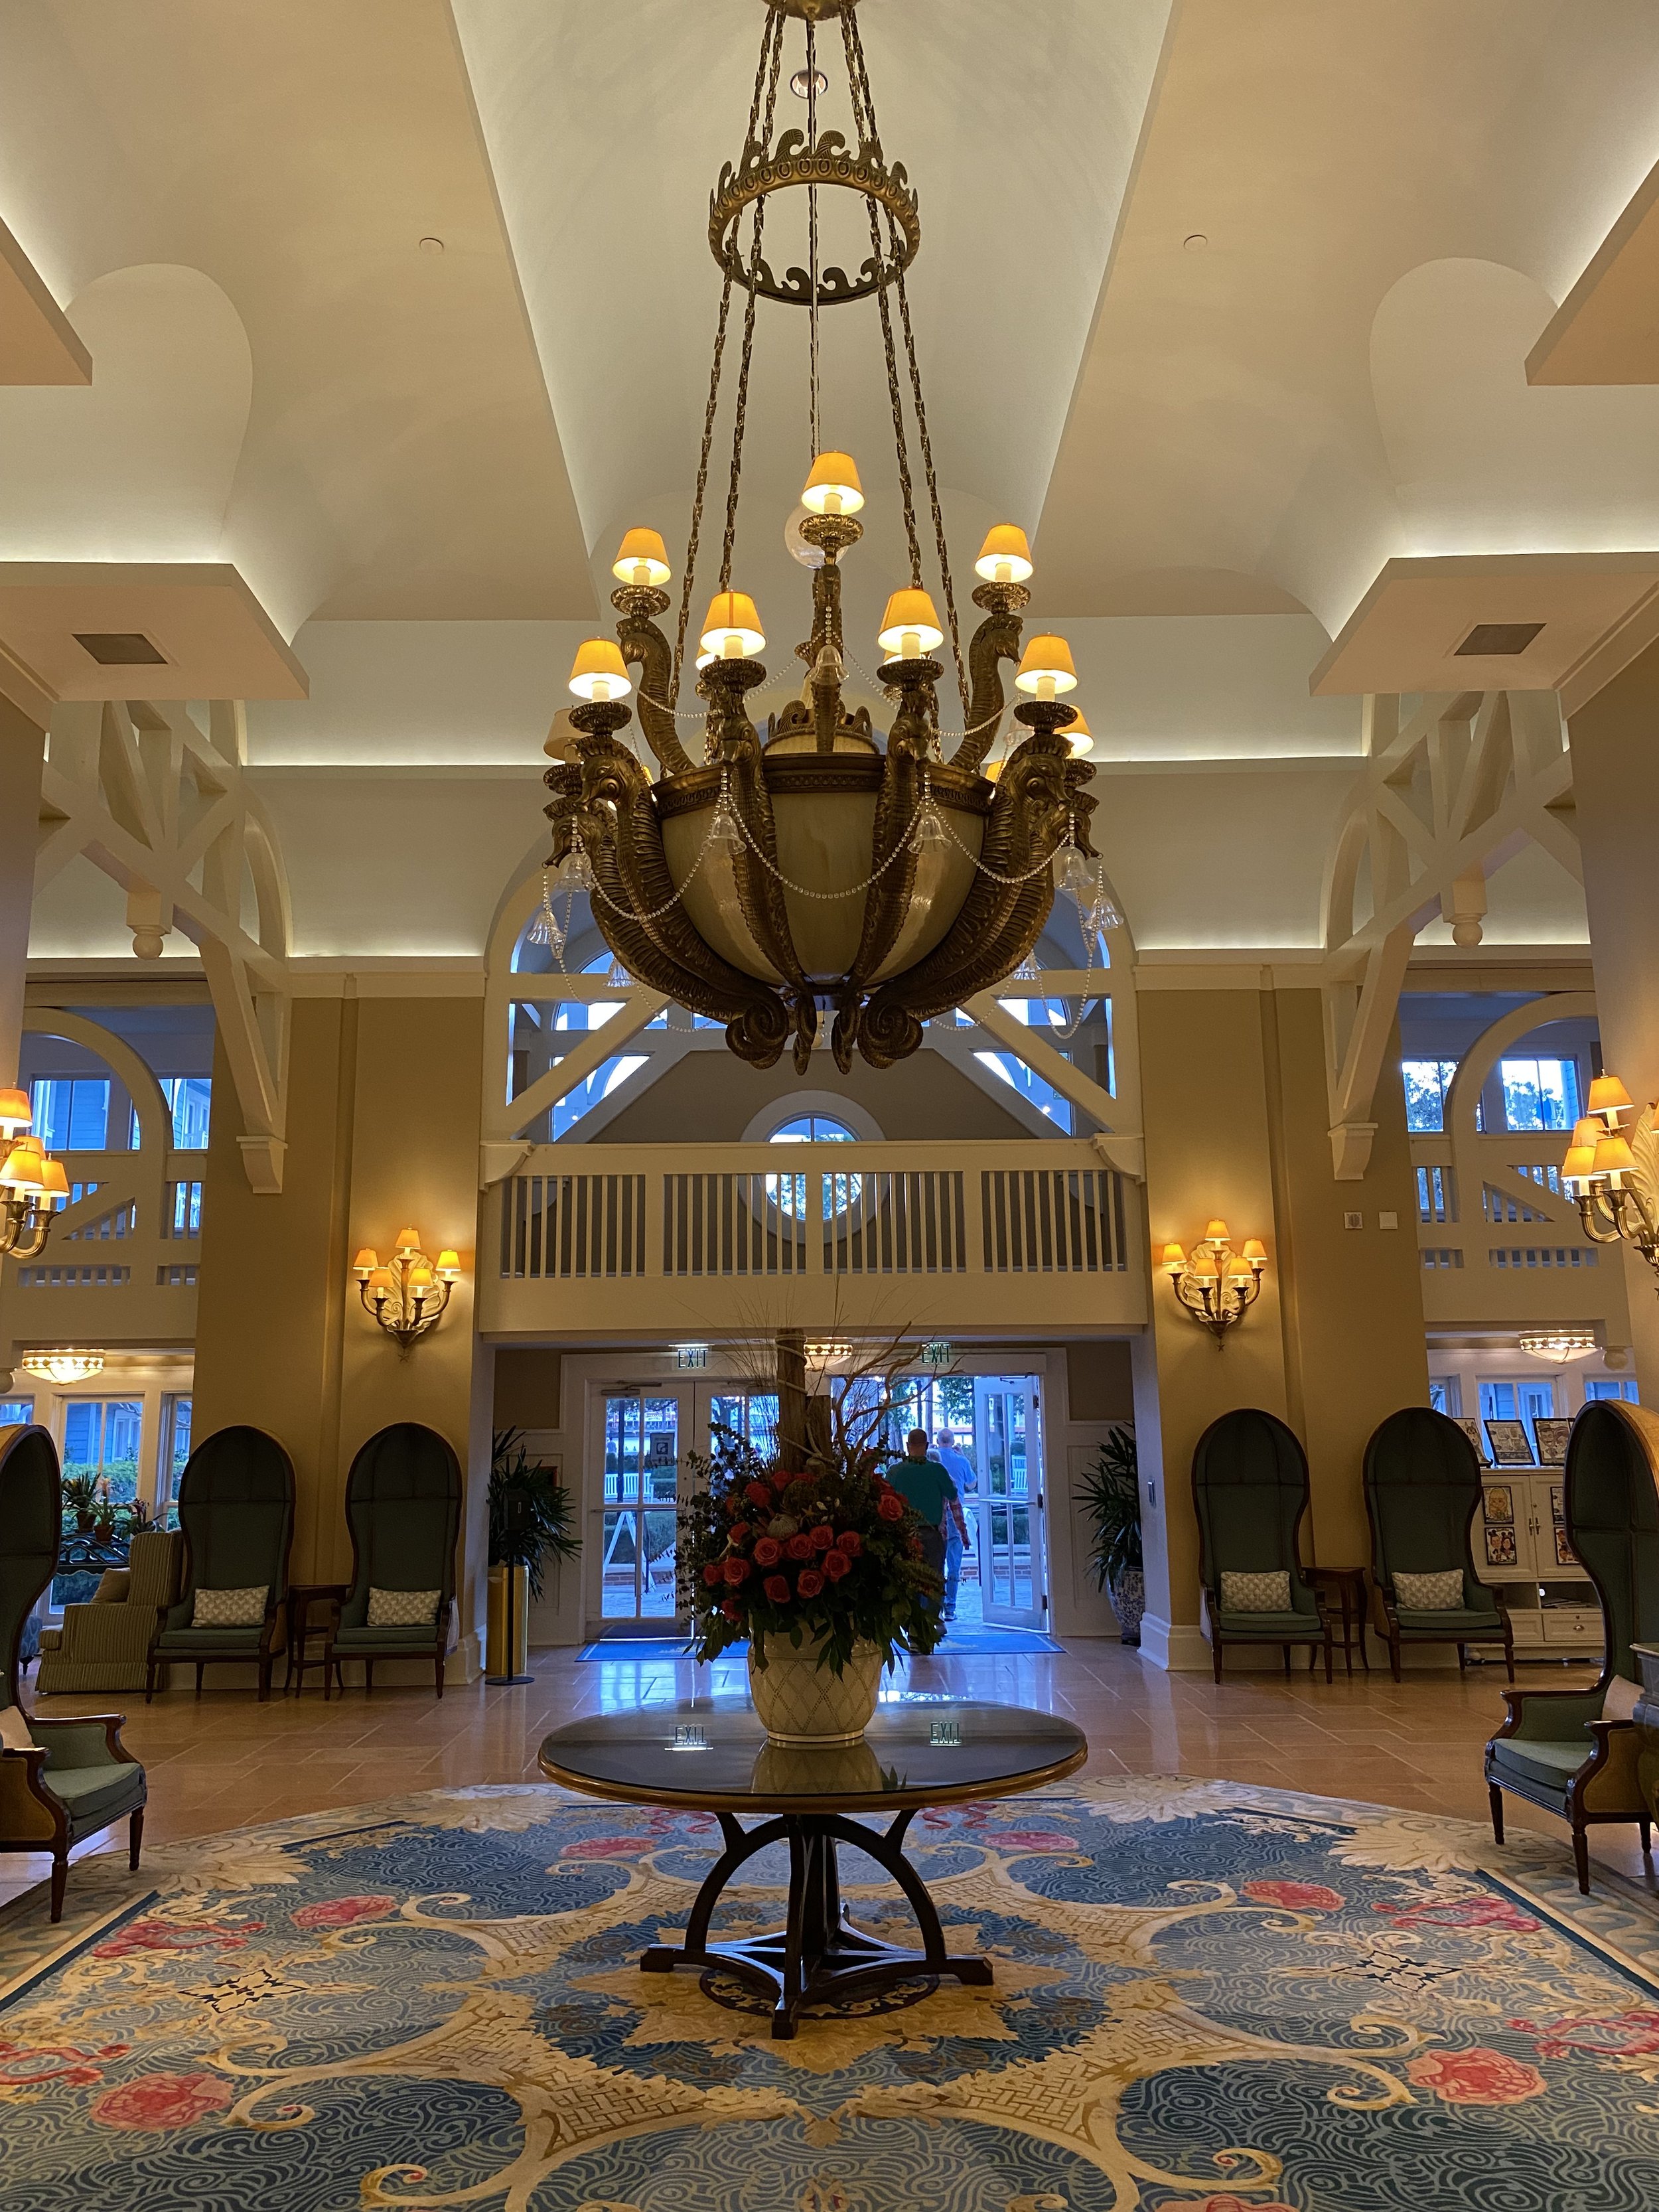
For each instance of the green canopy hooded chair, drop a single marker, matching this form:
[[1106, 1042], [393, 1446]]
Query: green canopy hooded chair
[[236, 1508], [1422, 1489], [1576, 1752], [403, 1508], [61, 1781], [1250, 1493]]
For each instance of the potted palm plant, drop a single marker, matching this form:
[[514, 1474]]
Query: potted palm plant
[[530, 1522], [1111, 1492]]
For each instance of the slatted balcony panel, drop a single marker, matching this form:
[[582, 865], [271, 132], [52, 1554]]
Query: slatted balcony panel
[[1053, 1221], [119, 1221], [569, 1226], [890, 1222], [735, 1223]]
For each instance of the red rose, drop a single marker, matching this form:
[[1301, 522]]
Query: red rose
[[1294, 1896], [712, 1573], [736, 1572], [808, 1583], [738, 1531], [1479, 2076], [777, 1588], [891, 1505], [835, 1565], [800, 1546], [823, 1537], [850, 1542], [162, 2100], [732, 1612], [768, 1551], [757, 1494]]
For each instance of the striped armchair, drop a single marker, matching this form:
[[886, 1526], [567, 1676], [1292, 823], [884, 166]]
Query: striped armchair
[[105, 1644]]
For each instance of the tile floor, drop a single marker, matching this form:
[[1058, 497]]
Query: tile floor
[[226, 1761]]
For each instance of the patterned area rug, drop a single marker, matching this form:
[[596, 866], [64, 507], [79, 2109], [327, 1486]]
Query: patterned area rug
[[1208, 1998]]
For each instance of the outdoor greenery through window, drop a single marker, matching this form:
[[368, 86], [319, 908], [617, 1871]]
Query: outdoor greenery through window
[[1540, 1094], [1427, 1082], [787, 1192]]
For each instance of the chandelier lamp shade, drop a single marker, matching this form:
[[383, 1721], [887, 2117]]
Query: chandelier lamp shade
[[1216, 1285], [1561, 1347], [1611, 1175], [407, 1295], [833, 856], [63, 1366], [33, 1187]]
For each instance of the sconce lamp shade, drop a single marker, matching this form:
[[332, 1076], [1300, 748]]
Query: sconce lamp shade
[[1081, 738], [599, 671], [1005, 557], [1174, 1259], [1204, 1262], [910, 626], [449, 1265], [732, 627], [1047, 661], [1579, 1164], [14, 1112], [1608, 1096], [419, 1279], [365, 1264], [833, 488], [54, 1182], [379, 1282], [409, 1240], [1256, 1252], [23, 1167], [1615, 1159], [642, 558], [1216, 1230]]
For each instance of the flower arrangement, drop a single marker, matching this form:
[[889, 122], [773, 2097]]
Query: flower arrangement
[[828, 1555]]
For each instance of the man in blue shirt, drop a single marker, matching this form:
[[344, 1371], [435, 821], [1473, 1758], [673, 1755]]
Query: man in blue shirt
[[923, 1483], [962, 1472]]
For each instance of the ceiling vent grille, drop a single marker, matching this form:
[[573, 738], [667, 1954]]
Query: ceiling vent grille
[[1493, 640], [120, 648]]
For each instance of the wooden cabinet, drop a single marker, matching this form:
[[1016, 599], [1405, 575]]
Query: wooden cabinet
[[1521, 1550]]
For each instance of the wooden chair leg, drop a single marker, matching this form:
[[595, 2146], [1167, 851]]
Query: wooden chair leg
[[59, 1881], [150, 1680], [1462, 1658], [1215, 1651], [438, 1670], [1581, 1858], [1509, 1647], [1496, 1797], [1393, 1654], [1286, 1649], [135, 1839], [200, 1664], [1329, 1675], [267, 1661], [368, 1678], [1644, 1828]]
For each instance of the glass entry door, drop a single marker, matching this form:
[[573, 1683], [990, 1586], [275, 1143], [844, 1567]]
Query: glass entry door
[[642, 1440], [1007, 1506]]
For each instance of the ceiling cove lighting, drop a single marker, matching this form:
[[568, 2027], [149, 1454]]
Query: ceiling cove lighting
[[714, 880], [1217, 1285]]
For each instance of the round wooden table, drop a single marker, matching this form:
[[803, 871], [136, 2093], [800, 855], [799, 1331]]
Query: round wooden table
[[712, 1755]]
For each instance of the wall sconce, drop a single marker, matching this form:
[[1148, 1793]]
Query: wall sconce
[[1612, 1182], [1217, 1286], [33, 1187], [409, 1294]]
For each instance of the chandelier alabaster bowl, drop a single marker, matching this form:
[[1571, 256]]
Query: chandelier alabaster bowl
[[821, 865]]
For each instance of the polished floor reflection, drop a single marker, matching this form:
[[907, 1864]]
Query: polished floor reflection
[[224, 1760]]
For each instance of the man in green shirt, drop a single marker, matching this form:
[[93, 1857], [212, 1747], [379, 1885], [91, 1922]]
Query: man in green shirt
[[923, 1483]]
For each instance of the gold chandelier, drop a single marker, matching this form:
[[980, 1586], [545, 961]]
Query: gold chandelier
[[825, 867], [34, 1188]]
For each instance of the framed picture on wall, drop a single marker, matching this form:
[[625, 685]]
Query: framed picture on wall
[[1552, 1431], [1509, 1443], [1565, 1554], [1471, 1429], [1497, 1503], [1500, 1548]]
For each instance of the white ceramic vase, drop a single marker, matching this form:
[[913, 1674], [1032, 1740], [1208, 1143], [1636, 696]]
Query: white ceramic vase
[[802, 1703]]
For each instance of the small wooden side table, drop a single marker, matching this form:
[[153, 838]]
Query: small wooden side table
[[1344, 1590], [302, 1597]]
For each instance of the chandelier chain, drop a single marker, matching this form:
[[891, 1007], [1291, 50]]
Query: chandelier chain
[[859, 72], [773, 33], [813, 245], [741, 422]]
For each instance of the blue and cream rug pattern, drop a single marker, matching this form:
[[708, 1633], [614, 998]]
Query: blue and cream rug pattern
[[1208, 1998]]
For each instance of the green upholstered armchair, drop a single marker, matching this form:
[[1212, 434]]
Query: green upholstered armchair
[[1576, 1753], [104, 1644], [1422, 1487], [404, 1508], [60, 1781], [1250, 1490], [236, 1508]]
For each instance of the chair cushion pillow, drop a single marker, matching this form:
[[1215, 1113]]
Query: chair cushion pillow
[[1552, 1764], [1265, 1593], [14, 1730], [1437, 1593], [95, 1796], [230, 1608], [402, 1608], [1618, 1704]]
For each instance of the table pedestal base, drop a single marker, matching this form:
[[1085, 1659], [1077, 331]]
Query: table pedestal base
[[818, 1955]]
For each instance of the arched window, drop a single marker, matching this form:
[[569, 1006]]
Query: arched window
[[841, 1192]]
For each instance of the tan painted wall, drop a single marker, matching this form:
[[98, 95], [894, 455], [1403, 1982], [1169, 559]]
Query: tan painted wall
[[22, 750], [528, 1389], [383, 1130], [1616, 794], [1099, 1385], [920, 1100], [1234, 1096]]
